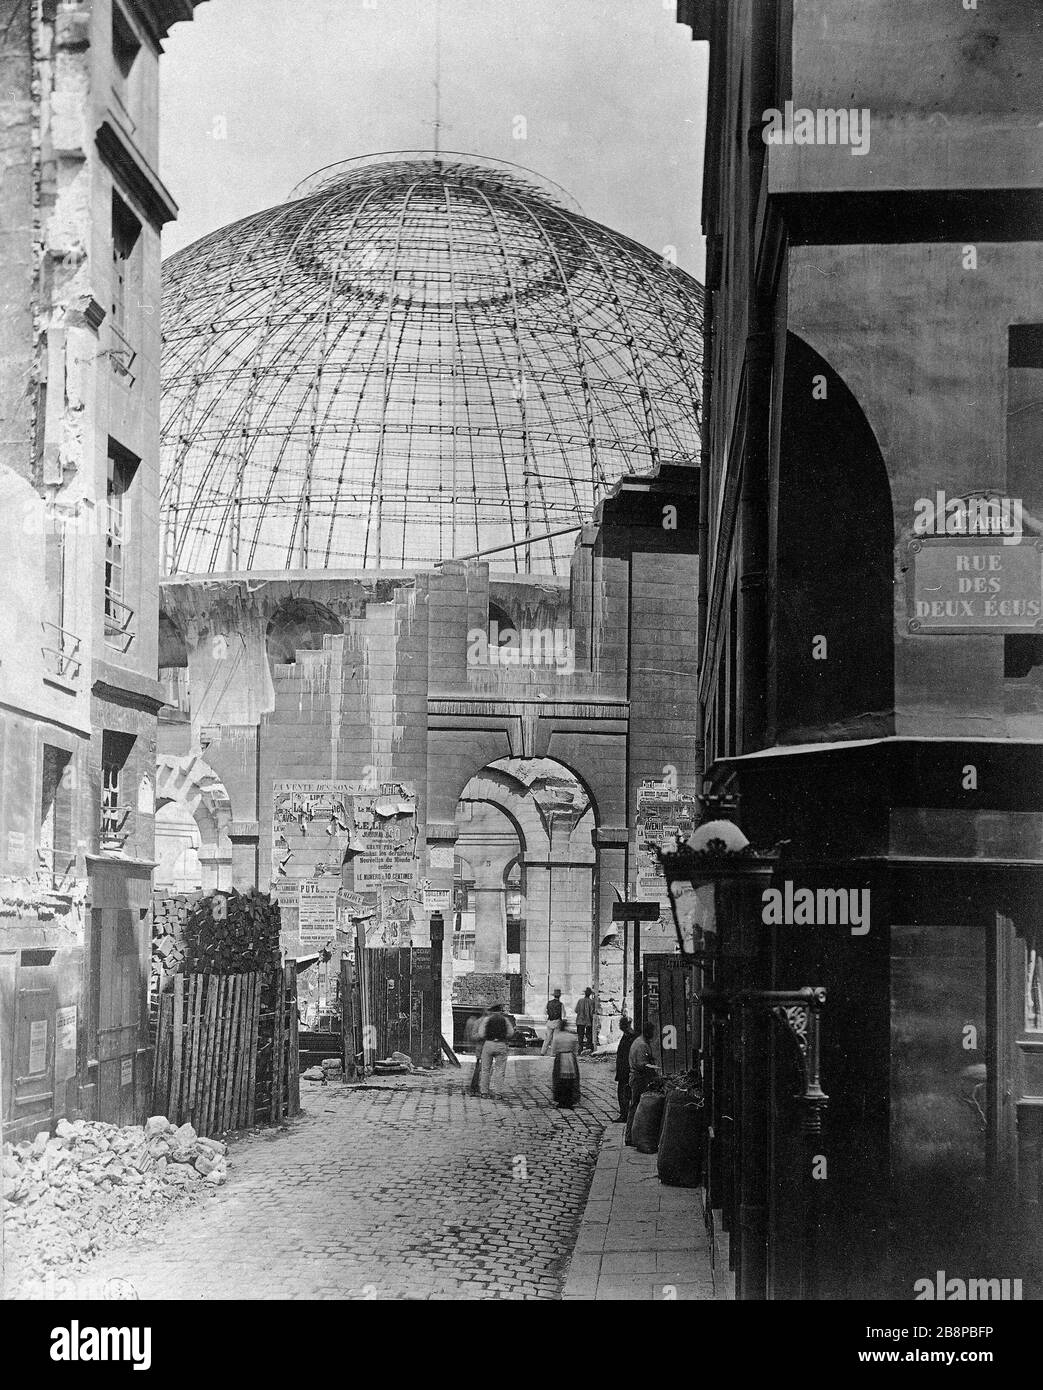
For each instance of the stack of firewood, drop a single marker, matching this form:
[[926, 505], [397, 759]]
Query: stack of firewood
[[169, 919], [232, 934]]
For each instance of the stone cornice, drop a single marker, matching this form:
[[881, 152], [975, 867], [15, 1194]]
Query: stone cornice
[[135, 175], [158, 16], [125, 687], [617, 835], [500, 708]]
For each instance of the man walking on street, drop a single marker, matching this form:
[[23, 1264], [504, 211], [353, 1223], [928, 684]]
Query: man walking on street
[[585, 1020], [476, 1034], [626, 1037], [642, 1071], [555, 1013], [494, 1050]]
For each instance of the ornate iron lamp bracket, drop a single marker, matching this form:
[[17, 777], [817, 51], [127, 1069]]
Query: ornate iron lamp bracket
[[800, 1014]]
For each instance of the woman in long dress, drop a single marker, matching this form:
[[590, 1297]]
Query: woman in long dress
[[565, 1075]]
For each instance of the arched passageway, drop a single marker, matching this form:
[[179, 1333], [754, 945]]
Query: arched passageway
[[526, 839]]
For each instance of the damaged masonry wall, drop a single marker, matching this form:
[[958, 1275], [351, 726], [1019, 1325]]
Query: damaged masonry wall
[[81, 211], [48, 337]]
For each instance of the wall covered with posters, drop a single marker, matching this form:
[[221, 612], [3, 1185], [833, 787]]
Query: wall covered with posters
[[347, 726]]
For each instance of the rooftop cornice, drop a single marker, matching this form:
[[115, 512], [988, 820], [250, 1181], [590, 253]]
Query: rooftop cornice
[[160, 15], [135, 175]]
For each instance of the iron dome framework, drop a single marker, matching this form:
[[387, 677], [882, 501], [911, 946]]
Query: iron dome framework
[[415, 358]]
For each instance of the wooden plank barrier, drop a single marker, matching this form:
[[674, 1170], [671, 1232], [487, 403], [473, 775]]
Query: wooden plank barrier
[[221, 1061]]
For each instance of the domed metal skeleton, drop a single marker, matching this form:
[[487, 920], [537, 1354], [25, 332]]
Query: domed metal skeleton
[[415, 359]]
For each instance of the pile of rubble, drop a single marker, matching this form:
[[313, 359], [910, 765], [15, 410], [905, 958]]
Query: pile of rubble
[[66, 1195]]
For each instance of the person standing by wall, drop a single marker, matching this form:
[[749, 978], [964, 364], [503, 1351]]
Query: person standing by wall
[[555, 1015], [626, 1037], [494, 1050], [565, 1074], [642, 1072], [585, 1020]]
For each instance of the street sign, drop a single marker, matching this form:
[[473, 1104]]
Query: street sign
[[975, 586], [637, 911]]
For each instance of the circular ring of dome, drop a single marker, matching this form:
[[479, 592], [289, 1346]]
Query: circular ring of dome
[[501, 170], [418, 359], [479, 280]]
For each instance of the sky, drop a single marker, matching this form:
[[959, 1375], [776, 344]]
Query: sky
[[605, 97]]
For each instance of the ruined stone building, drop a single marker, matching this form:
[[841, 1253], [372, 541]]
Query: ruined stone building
[[81, 208], [872, 692]]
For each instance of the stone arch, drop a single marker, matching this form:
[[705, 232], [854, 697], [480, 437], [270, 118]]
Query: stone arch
[[193, 785], [299, 624], [555, 818], [834, 545]]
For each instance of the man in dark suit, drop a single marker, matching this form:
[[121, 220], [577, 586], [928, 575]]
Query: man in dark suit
[[626, 1037]]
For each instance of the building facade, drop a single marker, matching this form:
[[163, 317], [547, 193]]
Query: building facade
[[429, 508], [82, 210], [870, 684], [505, 780]]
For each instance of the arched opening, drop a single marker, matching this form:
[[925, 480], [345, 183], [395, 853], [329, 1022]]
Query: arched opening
[[178, 843], [834, 593], [524, 893], [193, 815], [299, 625]]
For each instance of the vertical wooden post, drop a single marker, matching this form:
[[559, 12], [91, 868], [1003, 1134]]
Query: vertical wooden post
[[347, 1018], [211, 983], [241, 1042], [437, 946], [228, 1068], [176, 1065], [193, 1086], [255, 1027], [363, 1012], [217, 984], [277, 1051], [293, 1084]]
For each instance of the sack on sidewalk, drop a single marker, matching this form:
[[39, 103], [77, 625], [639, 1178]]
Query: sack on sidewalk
[[648, 1119], [680, 1159]]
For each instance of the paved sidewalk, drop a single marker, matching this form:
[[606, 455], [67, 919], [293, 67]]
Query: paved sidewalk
[[638, 1239]]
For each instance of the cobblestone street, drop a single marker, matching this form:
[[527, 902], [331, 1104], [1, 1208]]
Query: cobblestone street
[[409, 1187]]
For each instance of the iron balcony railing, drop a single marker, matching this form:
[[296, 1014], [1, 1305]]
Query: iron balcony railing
[[61, 652], [56, 867], [116, 825], [119, 618], [122, 354]]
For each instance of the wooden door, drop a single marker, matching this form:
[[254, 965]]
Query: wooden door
[[116, 976], [33, 1100], [402, 1012], [671, 1003]]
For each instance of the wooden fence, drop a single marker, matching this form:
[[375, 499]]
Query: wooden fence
[[401, 1004], [226, 1050]]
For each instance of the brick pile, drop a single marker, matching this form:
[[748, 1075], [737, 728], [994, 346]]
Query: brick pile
[[67, 1195]]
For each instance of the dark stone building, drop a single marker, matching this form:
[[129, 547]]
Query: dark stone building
[[871, 691]]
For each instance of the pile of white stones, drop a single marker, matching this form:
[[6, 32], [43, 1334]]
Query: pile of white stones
[[65, 1195]]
